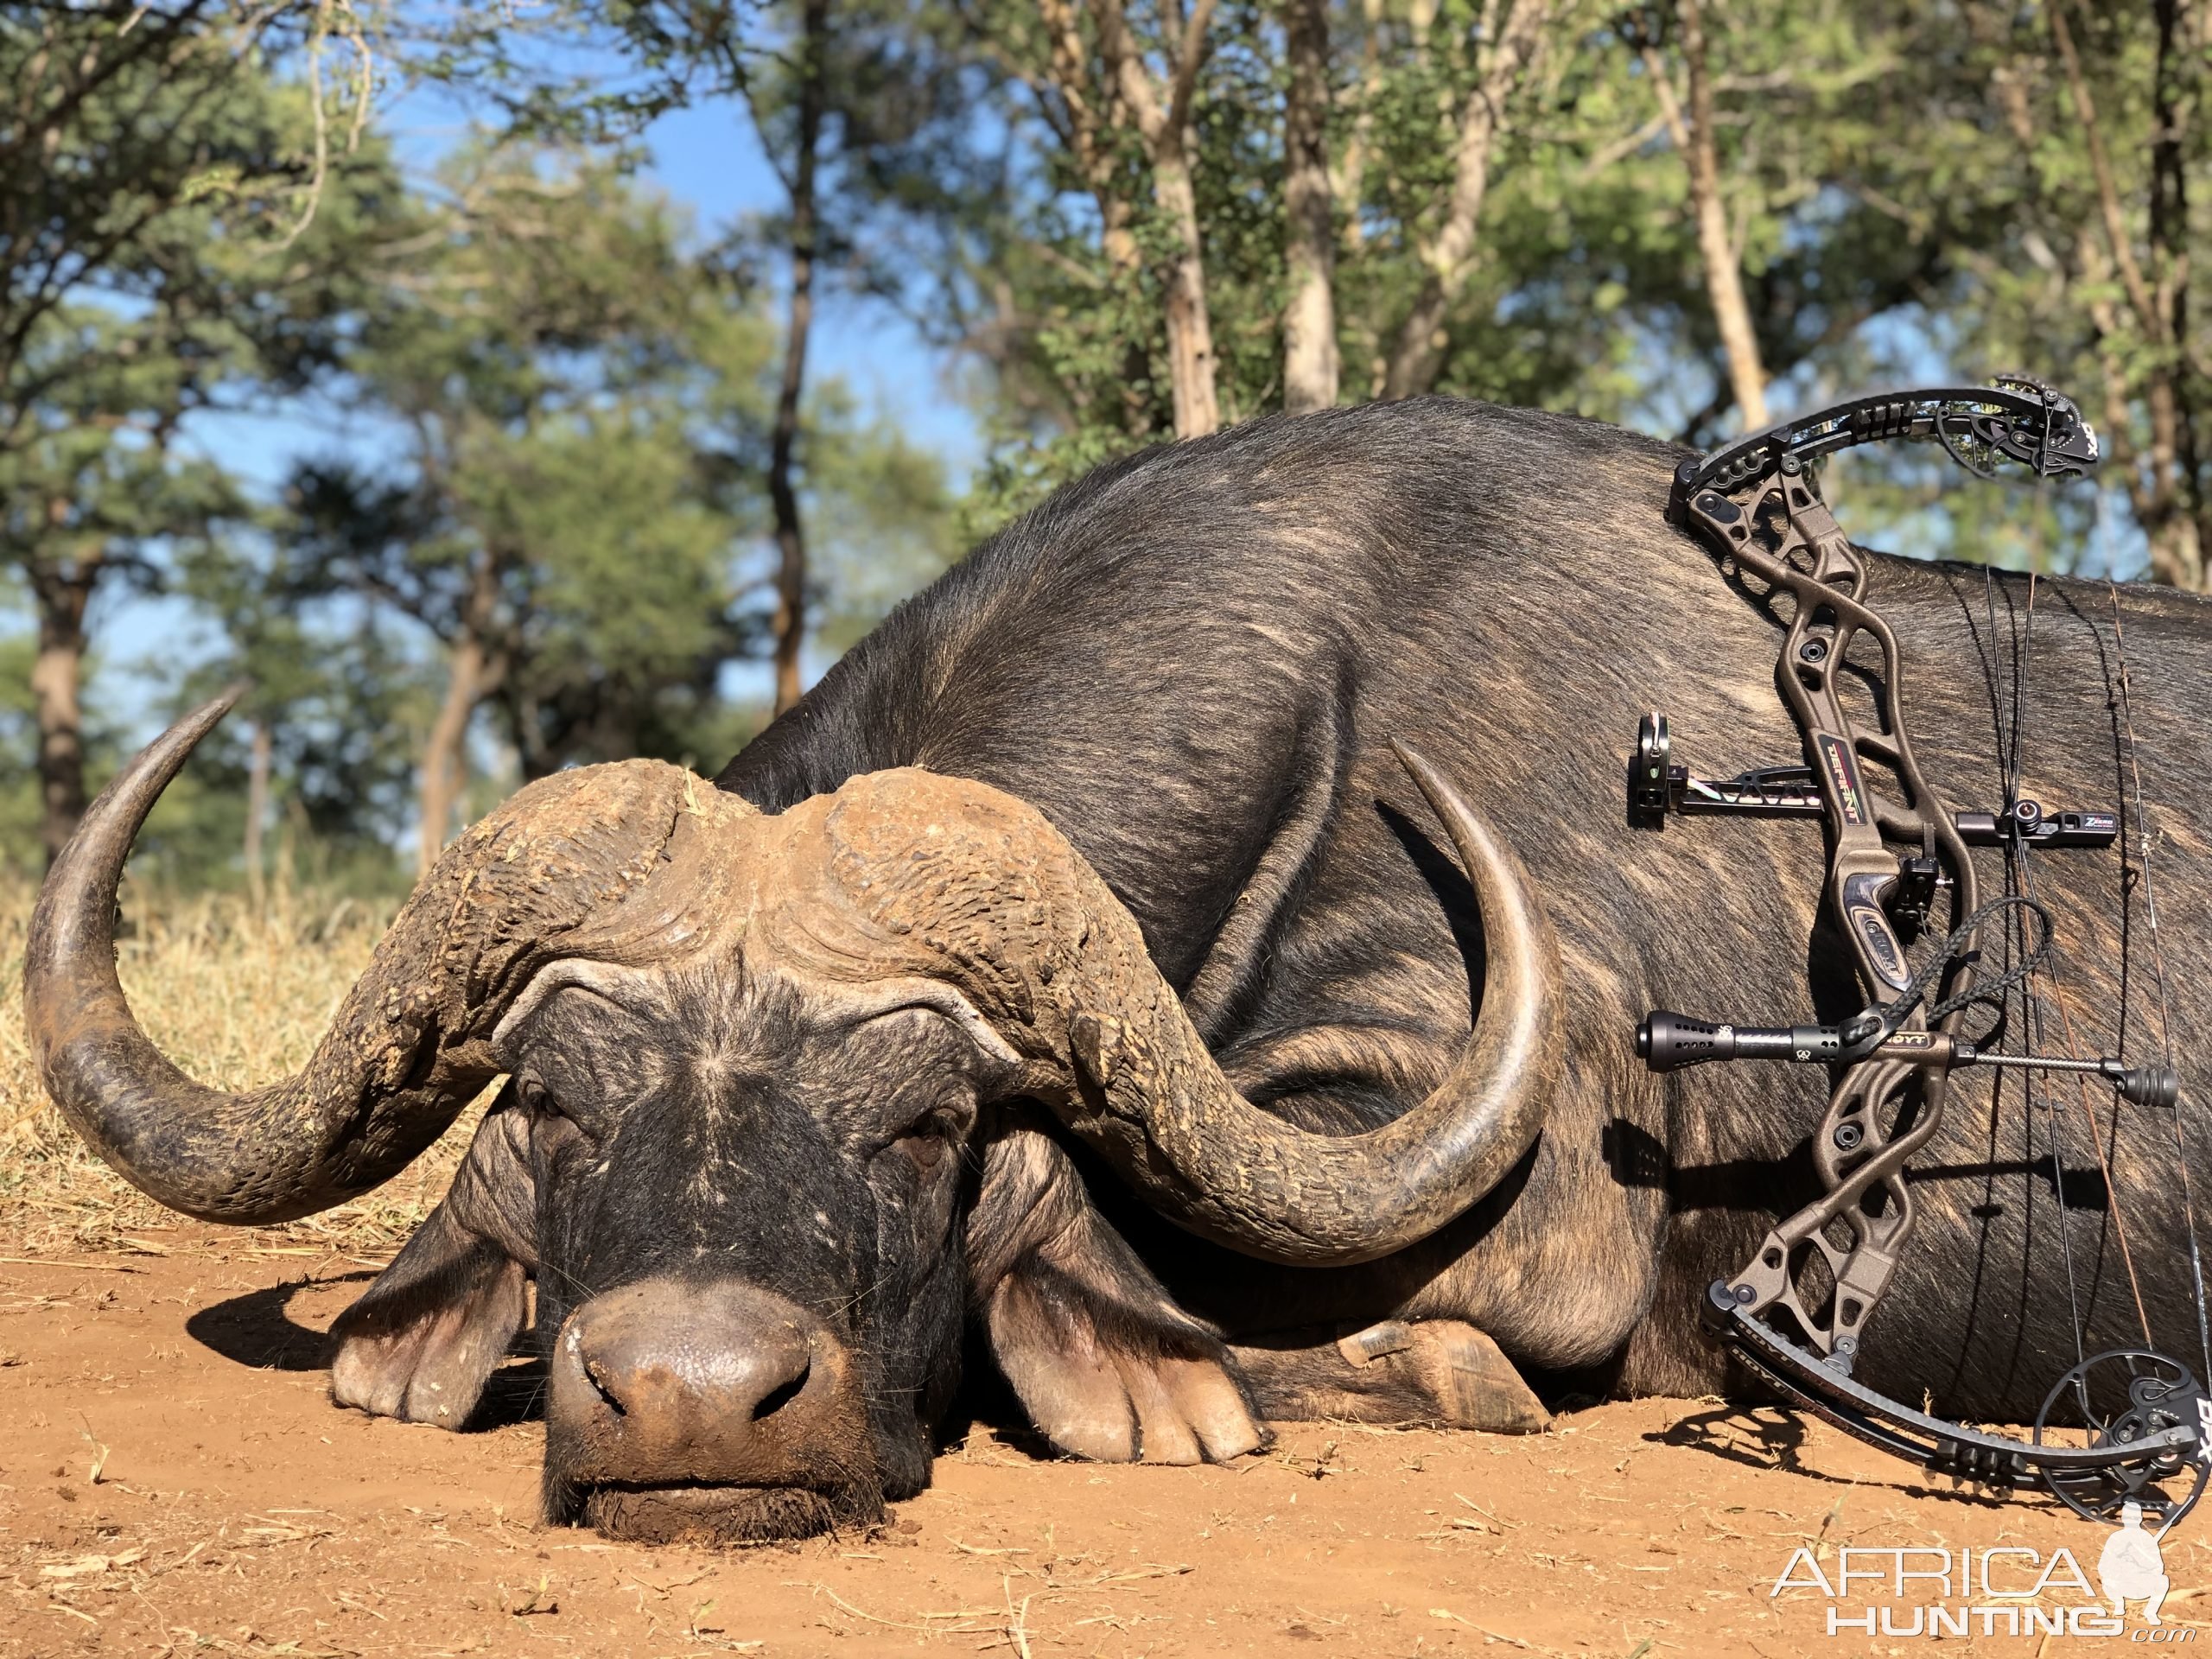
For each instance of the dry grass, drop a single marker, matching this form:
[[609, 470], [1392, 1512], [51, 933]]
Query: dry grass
[[236, 995]]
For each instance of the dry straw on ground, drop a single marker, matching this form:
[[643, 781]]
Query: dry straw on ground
[[238, 994]]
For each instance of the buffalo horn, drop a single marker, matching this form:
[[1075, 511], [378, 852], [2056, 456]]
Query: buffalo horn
[[410, 1045], [1228, 1170], [946, 878]]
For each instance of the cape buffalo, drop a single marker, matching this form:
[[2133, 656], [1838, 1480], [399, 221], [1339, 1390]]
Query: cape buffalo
[[1237, 839]]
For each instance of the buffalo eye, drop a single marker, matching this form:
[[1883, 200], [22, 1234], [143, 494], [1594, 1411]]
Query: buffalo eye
[[926, 1142], [545, 1111], [926, 1149]]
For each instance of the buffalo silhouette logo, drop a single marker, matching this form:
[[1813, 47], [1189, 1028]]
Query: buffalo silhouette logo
[[2131, 1567]]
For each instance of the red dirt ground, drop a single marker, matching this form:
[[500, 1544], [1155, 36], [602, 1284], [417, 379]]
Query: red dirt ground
[[173, 1480]]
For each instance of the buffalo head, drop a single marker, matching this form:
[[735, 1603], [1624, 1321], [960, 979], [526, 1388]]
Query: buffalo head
[[785, 1104]]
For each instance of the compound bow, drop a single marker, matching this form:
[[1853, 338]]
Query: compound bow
[[1795, 1311]]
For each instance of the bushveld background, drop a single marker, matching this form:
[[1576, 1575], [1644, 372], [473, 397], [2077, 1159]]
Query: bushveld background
[[497, 389]]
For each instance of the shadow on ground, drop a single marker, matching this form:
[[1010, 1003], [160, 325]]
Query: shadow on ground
[[1762, 1437], [258, 1329]]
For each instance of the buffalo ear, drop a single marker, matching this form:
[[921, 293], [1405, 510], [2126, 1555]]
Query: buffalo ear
[[425, 1338], [1106, 1364]]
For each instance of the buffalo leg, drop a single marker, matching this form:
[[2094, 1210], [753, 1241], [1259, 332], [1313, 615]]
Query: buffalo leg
[[426, 1337], [1399, 1371], [1106, 1364]]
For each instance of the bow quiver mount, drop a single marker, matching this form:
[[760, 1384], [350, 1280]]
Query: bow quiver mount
[[1794, 1312]]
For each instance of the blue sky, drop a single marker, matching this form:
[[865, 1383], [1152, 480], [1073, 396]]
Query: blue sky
[[706, 158]]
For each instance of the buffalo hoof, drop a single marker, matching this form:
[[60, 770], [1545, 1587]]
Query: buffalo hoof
[[420, 1350], [1129, 1408], [1399, 1371], [1118, 1401]]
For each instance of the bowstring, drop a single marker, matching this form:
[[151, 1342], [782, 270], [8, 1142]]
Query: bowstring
[[2157, 962], [2018, 847], [2018, 880], [2031, 1009]]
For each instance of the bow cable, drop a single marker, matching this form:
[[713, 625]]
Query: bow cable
[[2157, 961], [2009, 722], [2015, 856]]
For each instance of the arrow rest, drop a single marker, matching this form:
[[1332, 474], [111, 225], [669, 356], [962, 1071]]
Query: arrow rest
[[2123, 1426]]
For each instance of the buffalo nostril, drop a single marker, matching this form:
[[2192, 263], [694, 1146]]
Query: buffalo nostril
[[604, 1389], [784, 1393]]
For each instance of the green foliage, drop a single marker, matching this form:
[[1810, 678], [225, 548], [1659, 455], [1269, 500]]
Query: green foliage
[[567, 390], [178, 230], [167, 231], [585, 407], [337, 696], [883, 523], [1586, 293], [552, 359], [74, 497]]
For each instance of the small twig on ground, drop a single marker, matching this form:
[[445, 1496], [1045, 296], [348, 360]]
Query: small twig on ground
[[1487, 1515], [893, 1623], [55, 1261]]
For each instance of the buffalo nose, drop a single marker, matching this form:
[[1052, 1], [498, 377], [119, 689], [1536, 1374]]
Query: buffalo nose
[[646, 1359], [672, 1383]]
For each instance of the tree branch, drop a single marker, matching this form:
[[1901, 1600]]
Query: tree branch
[[2108, 202], [1189, 55], [1419, 355]]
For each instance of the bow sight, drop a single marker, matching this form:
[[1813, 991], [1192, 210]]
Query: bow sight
[[1795, 1311]]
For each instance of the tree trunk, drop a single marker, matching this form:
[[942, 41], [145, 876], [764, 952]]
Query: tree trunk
[[1190, 328], [2174, 91], [1163, 115], [2176, 555], [783, 492], [473, 673], [1309, 321], [1691, 131], [534, 758], [1093, 115], [1349, 182], [2166, 492], [1418, 357], [62, 593], [256, 808], [444, 753]]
